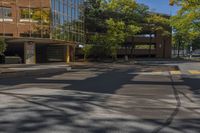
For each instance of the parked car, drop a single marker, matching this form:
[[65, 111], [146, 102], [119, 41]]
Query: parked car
[[196, 53], [13, 60]]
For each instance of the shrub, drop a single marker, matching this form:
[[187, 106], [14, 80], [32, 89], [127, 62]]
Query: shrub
[[2, 46]]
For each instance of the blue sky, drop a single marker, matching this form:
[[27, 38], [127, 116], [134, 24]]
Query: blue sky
[[161, 6]]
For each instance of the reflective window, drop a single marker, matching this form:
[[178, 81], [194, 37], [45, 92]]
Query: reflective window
[[6, 34], [24, 13], [37, 16], [5, 12], [68, 20], [55, 19]]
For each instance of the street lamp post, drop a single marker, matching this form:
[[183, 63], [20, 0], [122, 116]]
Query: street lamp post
[[191, 50]]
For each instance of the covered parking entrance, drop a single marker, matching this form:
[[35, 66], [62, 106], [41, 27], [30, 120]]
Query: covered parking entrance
[[46, 53], [33, 51]]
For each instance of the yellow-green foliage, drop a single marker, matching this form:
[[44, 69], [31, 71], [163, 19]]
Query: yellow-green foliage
[[86, 51], [187, 20], [124, 6], [160, 23], [186, 23], [120, 28], [2, 46]]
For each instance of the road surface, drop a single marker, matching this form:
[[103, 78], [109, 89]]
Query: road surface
[[102, 98]]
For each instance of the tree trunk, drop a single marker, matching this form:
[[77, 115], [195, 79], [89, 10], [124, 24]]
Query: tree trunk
[[132, 51], [126, 50], [183, 49], [85, 57], [179, 45], [164, 47], [132, 48], [150, 45], [175, 49]]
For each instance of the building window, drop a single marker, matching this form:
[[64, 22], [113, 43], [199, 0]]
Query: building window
[[5, 14], [68, 20], [24, 13], [6, 34], [146, 35], [145, 46], [30, 14], [24, 34]]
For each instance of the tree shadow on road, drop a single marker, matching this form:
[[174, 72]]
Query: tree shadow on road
[[79, 106]]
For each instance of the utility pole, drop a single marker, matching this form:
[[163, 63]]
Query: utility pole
[[171, 3]]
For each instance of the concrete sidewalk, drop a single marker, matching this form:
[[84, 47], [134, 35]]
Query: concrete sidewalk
[[13, 70], [184, 67]]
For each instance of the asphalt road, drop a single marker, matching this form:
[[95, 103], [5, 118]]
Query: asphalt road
[[102, 98]]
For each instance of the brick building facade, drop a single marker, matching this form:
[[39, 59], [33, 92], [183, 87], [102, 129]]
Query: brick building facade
[[42, 30]]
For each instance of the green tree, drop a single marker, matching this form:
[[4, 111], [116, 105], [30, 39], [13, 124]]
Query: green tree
[[94, 16], [196, 43], [179, 42], [115, 35], [121, 24], [2, 46], [118, 21], [161, 24], [87, 51], [140, 14], [186, 23]]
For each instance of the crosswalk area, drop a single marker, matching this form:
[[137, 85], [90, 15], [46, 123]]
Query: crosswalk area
[[178, 72], [191, 72], [194, 72], [186, 72]]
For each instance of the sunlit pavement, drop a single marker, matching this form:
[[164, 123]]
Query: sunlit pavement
[[105, 98]]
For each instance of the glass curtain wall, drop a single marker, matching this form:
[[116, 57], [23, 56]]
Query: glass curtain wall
[[35, 15], [55, 19], [68, 20], [25, 18]]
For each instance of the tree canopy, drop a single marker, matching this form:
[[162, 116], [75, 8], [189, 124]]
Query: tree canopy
[[186, 23], [187, 19], [113, 23], [113, 20]]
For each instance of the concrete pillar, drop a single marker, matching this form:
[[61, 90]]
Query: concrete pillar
[[67, 54], [29, 53], [159, 45]]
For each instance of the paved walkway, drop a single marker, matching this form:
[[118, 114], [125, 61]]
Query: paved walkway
[[22, 69]]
